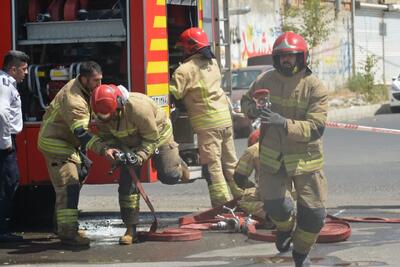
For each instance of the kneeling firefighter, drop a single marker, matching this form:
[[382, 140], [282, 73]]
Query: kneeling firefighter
[[134, 123], [249, 162]]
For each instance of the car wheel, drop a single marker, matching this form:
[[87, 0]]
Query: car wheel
[[395, 109]]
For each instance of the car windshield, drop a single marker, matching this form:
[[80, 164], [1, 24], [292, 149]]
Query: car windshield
[[243, 79]]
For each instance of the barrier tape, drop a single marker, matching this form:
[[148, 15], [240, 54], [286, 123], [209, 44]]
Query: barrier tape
[[349, 126]]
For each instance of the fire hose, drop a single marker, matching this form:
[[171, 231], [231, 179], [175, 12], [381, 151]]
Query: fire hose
[[334, 230], [172, 234]]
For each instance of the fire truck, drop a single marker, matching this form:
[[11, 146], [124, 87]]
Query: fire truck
[[133, 41]]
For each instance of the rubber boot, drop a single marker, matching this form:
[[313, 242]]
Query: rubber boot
[[300, 260], [129, 237], [236, 191], [71, 236], [283, 240], [185, 178]]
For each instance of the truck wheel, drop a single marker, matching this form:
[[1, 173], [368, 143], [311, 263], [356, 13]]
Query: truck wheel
[[33, 207]]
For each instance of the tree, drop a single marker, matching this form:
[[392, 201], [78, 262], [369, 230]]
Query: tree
[[312, 20]]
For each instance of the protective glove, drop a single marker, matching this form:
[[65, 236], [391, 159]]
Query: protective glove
[[272, 118]]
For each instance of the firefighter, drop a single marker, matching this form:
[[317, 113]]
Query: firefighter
[[15, 67], [291, 149], [62, 140], [196, 82], [249, 162], [134, 123]]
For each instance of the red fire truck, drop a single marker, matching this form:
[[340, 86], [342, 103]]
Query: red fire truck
[[133, 41]]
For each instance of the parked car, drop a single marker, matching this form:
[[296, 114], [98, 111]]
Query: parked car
[[241, 81], [394, 94]]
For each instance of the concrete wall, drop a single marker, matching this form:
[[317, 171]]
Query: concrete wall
[[333, 57], [255, 32]]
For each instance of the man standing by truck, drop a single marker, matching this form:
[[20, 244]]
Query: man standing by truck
[[197, 82], [133, 123], [15, 67], [62, 140], [291, 147]]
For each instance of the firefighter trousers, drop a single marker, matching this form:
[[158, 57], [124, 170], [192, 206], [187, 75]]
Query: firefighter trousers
[[129, 197], [251, 203], [170, 166], [9, 178], [218, 160], [311, 192], [64, 175]]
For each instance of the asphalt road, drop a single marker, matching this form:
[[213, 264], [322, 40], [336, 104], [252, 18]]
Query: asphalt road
[[362, 170]]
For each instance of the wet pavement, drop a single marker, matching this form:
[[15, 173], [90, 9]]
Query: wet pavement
[[371, 244]]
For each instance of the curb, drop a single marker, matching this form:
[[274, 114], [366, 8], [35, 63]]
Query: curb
[[353, 113]]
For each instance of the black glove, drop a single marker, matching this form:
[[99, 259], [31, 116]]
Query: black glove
[[272, 118]]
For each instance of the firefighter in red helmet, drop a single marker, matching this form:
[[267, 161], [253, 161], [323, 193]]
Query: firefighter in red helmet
[[134, 123], [197, 83], [291, 150]]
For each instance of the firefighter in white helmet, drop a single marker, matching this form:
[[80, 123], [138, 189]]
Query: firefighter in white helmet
[[62, 140], [134, 123], [197, 82]]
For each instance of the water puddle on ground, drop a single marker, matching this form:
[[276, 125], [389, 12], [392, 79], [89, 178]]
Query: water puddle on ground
[[105, 231]]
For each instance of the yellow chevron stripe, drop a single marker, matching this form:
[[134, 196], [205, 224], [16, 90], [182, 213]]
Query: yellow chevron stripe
[[160, 2], [158, 44], [157, 89], [157, 67], [200, 11], [160, 22]]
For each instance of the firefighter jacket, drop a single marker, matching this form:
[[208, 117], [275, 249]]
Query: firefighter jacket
[[248, 162], [197, 81], [68, 111], [141, 125], [303, 101]]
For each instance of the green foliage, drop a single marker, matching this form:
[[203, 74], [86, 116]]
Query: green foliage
[[312, 21], [363, 82]]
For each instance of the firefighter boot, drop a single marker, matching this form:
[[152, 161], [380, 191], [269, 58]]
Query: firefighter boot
[[300, 260], [70, 235], [185, 178], [130, 235], [283, 240]]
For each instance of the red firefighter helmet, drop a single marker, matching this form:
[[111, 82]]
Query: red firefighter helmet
[[104, 99], [254, 137], [289, 43], [192, 40]]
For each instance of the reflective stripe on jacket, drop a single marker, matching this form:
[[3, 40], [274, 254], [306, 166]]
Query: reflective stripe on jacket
[[198, 82], [303, 100], [68, 111], [141, 125]]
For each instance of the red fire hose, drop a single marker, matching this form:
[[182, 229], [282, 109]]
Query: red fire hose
[[171, 234]]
